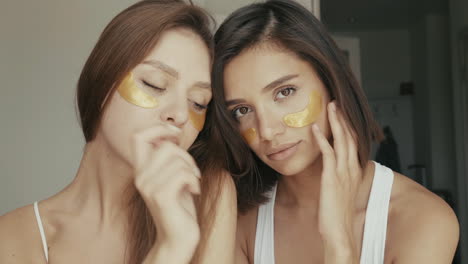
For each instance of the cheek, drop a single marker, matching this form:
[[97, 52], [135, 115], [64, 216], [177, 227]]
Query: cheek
[[121, 121], [248, 129], [308, 135], [189, 134], [307, 116], [323, 124], [249, 135], [116, 120], [116, 134], [197, 120]]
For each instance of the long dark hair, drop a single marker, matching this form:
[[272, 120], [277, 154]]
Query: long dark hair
[[289, 26], [123, 44]]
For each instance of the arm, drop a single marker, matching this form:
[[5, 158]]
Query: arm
[[220, 245], [426, 235], [8, 252], [340, 252], [162, 253], [19, 237]]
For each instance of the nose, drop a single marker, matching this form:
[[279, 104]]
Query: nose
[[269, 125], [175, 110]]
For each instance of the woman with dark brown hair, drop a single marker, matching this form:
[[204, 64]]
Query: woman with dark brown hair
[[140, 194], [298, 130]]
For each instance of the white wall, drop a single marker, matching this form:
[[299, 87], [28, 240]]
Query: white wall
[[43, 47]]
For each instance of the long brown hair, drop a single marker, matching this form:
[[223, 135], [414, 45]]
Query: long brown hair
[[289, 26], [124, 43]]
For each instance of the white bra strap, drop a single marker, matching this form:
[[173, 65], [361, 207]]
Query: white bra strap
[[41, 230]]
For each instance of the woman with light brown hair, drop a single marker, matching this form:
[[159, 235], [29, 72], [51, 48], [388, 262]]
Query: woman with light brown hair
[[147, 190]]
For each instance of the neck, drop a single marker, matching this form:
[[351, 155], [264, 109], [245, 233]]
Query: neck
[[102, 186], [301, 190]]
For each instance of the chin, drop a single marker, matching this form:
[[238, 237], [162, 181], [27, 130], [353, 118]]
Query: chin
[[288, 171], [290, 167], [294, 165]]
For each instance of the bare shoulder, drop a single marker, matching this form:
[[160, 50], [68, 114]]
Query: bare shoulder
[[19, 236], [420, 217]]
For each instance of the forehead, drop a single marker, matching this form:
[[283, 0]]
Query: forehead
[[255, 68], [185, 51]]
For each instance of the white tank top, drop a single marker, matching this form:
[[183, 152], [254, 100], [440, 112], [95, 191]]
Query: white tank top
[[375, 227]]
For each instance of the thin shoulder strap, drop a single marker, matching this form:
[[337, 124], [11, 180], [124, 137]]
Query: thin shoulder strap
[[41, 230], [264, 252], [375, 227]]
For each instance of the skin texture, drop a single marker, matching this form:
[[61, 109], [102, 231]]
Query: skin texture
[[322, 197], [86, 222]]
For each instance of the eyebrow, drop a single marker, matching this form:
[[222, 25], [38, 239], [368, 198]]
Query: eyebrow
[[163, 67], [279, 81], [234, 102], [204, 85], [270, 86]]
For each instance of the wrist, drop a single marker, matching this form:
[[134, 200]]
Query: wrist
[[340, 256], [166, 253], [340, 251]]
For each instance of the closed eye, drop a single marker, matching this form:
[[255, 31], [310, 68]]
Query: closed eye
[[199, 107], [153, 86]]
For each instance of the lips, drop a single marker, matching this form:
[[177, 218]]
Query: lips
[[283, 151]]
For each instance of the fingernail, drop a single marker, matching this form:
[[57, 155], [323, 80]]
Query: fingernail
[[333, 107]]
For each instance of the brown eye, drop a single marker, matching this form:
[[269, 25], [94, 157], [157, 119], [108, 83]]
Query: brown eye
[[240, 112], [243, 110], [285, 92]]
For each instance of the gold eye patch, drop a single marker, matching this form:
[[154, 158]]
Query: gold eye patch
[[307, 116], [134, 95], [197, 119], [249, 135]]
